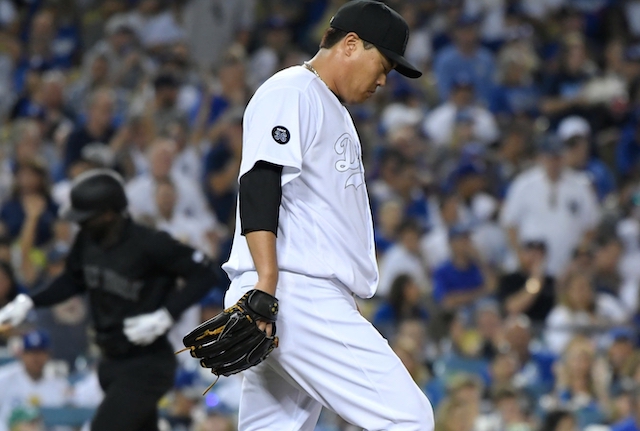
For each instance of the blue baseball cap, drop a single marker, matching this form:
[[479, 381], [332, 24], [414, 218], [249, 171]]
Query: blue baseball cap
[[36, 340], [467, 168], [621, 333]]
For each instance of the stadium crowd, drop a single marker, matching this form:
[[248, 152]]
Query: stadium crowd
[[505, 189]]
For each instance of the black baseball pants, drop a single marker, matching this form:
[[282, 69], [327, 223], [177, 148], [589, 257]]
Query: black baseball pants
[[133, 386]]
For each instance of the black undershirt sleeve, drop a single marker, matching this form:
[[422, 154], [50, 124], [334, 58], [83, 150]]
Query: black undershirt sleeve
[[61, 288], [260, 195]]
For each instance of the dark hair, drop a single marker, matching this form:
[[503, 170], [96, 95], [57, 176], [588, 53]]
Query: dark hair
[[553, 419], [38, 169], [13, 289], [396, 292], [333, 35], [408, 225]]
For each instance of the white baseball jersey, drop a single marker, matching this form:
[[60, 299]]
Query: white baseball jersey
[[18, 389], [325, 228]]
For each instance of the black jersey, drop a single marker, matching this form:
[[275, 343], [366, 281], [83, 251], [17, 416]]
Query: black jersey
[[138, 274]]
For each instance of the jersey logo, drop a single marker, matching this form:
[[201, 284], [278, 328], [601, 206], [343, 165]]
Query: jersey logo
[[350, 161], [280, 134]]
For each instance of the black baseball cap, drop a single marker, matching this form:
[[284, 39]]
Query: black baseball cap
[[381, 26]]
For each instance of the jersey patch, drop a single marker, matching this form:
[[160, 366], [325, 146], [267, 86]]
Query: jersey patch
[[280, 134]]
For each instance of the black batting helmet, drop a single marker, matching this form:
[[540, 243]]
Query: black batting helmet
[[94, 192]]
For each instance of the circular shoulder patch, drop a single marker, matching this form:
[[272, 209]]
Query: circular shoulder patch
[[280, 134]]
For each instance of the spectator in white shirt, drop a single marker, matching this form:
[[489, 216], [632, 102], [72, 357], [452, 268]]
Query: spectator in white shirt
[[141, 189], [581, 311], [405, 257], [25, 382], [552, 203], [439, 125]]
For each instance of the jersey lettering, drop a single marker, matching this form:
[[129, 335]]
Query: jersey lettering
[[350, 162], [112, 282]]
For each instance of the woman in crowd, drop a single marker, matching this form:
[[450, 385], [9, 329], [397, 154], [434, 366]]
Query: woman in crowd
[[581, 310]]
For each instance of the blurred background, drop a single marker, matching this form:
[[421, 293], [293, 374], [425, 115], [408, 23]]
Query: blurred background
[[505, 189]]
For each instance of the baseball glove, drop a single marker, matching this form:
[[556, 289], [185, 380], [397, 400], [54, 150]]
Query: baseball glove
[[231, 342]]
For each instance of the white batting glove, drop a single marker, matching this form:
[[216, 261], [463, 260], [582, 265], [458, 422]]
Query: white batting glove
[[16, 311], [145, 328]]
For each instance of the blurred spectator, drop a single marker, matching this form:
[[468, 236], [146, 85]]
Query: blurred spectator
[[95, 77], [468, 57], [30, 204], [435, 243], [227, 23], [581, 310], [222, 167], [534, 374], [140, 190], [188, 160], [459, 283], [620, 356], [575, 132], [410, 355], [127, 62], [156, 25], [164, 106], [388, 218], [509, 413], [266, 60], [26, 383], [503, 370], [446, 125], [516, 94], [551, 203], [488, 321], [97, 129], [582, 382], [564, 91], [606, 262], [559, 420], [404, 301], [404, 257], [632, 421], [182, 226], [528, 290]]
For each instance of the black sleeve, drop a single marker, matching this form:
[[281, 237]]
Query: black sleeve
[[260, 194], [179, 260], [67, 284], [61, 288]]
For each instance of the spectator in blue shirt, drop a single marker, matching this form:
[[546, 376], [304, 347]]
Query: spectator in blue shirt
[[628, 151], [631, 422], [31, 201], [516, 95], [466, 56], [221, 167], [575, 132], [459, 282], [535, 372], [97, 129]]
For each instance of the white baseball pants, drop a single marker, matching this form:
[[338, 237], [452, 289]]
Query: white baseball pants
[[329, 355]]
